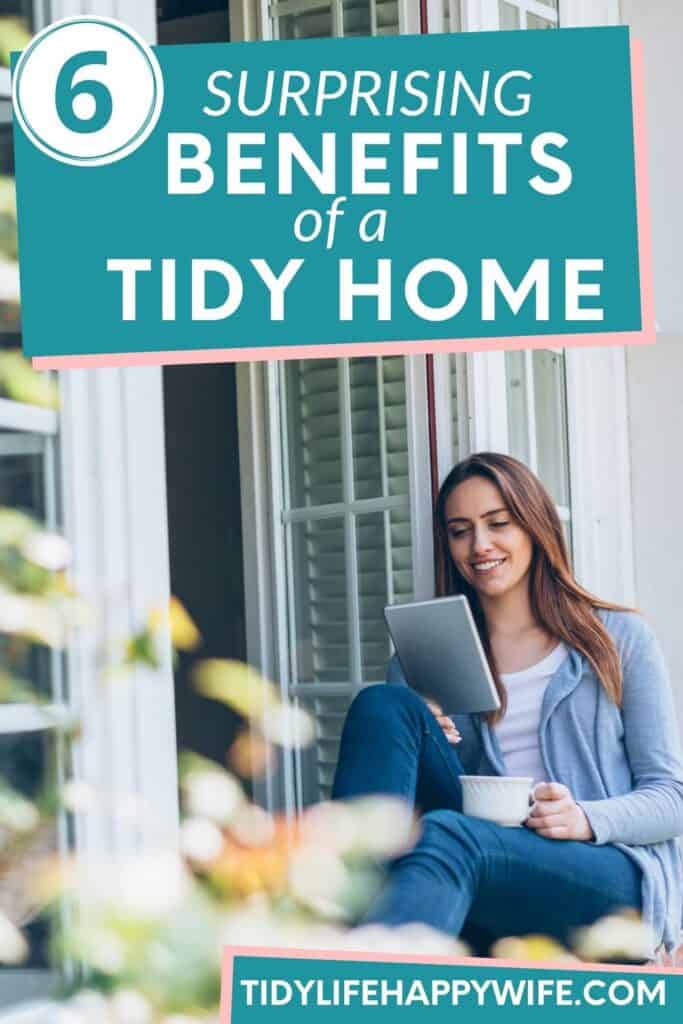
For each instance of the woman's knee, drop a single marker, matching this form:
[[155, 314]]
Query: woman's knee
[[455, 834], [385, 699]]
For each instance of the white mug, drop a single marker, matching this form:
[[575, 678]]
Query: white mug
[[500, 798]]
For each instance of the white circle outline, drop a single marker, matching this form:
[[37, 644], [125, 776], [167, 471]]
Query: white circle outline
[[140, 136]]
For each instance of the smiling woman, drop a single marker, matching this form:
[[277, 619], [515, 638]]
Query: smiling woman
[[585, 712]]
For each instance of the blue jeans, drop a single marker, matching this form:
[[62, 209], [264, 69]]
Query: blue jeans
[[467, 875]]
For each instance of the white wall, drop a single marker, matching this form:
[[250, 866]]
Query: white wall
[[655, 374]]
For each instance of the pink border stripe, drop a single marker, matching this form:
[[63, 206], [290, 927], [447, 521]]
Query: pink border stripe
[[646, 336], [230, 952]]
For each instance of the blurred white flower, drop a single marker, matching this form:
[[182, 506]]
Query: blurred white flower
[[320, 881], [91, 1007], [200, 841], [182, 1018], [330, 824], [150, 886], [212, 794], [615, 937], [16, 812], [9, 281], [79, 796], [13, 945], [129, 1007], [67, 1014], [48, 550], [31, 617], [408, 938], [105, 951], [252, 825], [384, 826], [287, 726]]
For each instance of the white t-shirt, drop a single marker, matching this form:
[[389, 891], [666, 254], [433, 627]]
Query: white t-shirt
[[517, 733]]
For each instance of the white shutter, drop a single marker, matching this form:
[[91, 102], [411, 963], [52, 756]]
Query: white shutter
[[347, 533]]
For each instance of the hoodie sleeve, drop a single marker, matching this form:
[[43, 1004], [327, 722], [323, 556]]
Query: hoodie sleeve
[[653, 811]]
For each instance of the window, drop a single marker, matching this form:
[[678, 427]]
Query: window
[[528, 13], [306, 19]]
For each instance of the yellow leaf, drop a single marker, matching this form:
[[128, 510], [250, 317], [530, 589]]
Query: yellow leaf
[[184, 634], [235, 684]]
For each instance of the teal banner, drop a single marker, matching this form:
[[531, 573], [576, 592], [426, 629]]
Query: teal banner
[[267, 988], [279, 197]]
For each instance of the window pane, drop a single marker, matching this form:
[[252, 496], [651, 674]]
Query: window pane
[[357, 19], [533, 21], [314, 21], [550, 405], [313, 432], [451, 16], [22, 472], [17, 9], [517, 405], [509, 15], [319, 582]]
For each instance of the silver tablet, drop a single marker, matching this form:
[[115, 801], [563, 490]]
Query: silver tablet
[[441, 654]]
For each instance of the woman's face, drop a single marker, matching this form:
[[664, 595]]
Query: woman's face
[[489, 548]]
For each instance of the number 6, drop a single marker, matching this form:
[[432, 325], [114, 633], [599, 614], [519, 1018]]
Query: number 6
[[66, 92]]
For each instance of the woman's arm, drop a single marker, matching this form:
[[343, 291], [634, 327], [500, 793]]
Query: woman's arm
[[653, 811]]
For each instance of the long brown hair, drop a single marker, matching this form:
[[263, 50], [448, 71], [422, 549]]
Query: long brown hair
[[558, 603]]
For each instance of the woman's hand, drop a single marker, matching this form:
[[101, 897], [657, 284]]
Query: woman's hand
[[555, 814], [449, 730]]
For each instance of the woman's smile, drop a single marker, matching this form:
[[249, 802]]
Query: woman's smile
[[488, 566]]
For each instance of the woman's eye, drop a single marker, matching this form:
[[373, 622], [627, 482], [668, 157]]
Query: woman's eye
[[458, 533], [501, 522]]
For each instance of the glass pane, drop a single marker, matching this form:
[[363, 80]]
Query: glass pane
[[22, 472], [387, 18], [321, 641], [25, 760], [533, 21], [550, 405], [17, 9], [314, 432], [517, 405], [357, 18], [374, 569], [314, 21], [508, 14], [451, 16]]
